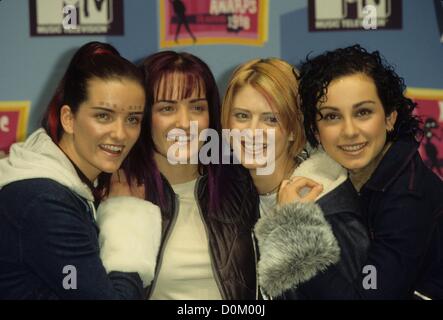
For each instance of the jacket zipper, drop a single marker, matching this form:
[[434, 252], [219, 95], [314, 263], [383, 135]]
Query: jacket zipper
[[94, 212], [256, 264], [211, 255], [163, 245]]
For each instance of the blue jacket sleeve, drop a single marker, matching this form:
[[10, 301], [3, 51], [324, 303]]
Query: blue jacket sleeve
[[60, 245]]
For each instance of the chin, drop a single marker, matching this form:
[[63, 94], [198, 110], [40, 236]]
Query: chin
[[110, 168], [253, 166], [354, 167]]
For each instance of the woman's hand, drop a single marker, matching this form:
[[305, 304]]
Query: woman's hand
[[298, 189], [120, 187]]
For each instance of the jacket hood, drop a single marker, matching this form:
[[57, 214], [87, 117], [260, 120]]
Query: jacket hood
[[322, 169], [40, 157]]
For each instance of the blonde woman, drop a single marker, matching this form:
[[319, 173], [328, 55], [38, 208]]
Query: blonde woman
[[309, 232]]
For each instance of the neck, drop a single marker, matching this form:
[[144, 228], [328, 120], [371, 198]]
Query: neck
[[176, 173], [67, 146], [360, 177], [284, 167]]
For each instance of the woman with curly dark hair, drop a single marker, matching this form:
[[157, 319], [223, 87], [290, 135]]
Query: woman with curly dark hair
[[354, 107]]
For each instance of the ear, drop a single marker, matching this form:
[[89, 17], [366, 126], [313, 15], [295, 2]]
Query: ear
[[291, 136], [67, 119], [391, 119]]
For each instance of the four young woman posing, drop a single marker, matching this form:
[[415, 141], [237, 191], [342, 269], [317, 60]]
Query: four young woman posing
[[358, 195]]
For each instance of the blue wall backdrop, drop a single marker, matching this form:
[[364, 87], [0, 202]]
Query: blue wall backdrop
[[31, 67]]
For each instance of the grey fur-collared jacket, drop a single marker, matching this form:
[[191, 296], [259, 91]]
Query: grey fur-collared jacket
[[303, 246]]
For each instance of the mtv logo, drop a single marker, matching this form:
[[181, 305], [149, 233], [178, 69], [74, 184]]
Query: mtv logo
[[330, 9], [88, 11], [338, 9], [383, 7]]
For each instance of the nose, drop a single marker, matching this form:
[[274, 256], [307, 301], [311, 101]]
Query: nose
[[183, 118], [350, 129], [258, 130], [256, 124], [118, 132]]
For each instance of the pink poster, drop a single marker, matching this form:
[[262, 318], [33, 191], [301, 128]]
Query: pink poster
[[430, 110], [13, 123], [186, 22]]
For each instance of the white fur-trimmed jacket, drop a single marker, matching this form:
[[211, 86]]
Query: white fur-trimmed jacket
[[305, 246]]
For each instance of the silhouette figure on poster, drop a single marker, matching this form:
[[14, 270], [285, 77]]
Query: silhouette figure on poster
[[430, 149], [180, 13]]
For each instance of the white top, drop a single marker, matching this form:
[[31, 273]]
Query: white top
[[186, 270]]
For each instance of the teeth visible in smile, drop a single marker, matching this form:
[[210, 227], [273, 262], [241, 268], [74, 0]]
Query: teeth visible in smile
[[184, 138], [354, 147], [112, 147], [255, 148]]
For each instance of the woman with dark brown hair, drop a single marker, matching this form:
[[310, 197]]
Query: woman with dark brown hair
[[49, 246], [207, 249]]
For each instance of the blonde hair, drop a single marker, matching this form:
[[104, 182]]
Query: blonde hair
[[276, 80]]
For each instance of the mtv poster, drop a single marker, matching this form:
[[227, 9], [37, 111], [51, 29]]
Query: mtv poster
[[430, 111], [190, 22], [75, 17], [339, 15]]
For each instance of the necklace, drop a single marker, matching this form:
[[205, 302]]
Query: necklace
[[291, 171], [270, 192]]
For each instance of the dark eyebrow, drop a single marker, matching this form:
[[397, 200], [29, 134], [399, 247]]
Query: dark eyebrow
[[166, 101], [241, 109], [359, 104], [175, 101], [198, 100], [113, 111], [269, 114], [103, 109]]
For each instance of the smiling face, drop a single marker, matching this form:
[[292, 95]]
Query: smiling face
[[251, 110], [353, 125], [171, 111], [106, 126]]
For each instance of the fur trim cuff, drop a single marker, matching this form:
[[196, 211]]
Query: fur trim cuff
[[130, 231], [295, 242]]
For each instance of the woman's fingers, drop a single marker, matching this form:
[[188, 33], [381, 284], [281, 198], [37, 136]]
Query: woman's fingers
[[299, 189], [302, 182], [283, 184], [137, 190], [115, 177], [121, 176], [313, 194]]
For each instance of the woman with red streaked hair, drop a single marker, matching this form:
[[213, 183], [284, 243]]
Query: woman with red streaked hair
[[49, 246], [207, 249]]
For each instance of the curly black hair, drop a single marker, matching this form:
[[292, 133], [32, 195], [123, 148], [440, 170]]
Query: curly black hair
[[317, 73]]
